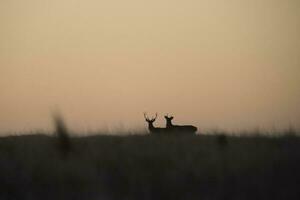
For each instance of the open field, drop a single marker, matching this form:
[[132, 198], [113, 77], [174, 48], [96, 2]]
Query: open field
[[149, 167]]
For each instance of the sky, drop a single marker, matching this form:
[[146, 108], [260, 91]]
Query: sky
[[230, 65]]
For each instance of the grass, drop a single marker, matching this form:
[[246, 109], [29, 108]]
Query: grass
[[149, 167]]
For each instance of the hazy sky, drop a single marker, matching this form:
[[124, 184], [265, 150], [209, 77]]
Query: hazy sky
[[227, 64]]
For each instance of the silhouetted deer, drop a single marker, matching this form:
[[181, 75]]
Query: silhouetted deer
[[153, 129], [177, 128]]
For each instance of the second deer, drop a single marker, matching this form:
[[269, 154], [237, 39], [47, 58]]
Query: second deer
[[179, 129]]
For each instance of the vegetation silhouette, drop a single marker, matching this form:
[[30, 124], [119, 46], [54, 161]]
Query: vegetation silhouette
[[188, 129], [63, 135], [139, 167], [217, 166]]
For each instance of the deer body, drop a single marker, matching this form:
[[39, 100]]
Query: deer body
[[179, 129]]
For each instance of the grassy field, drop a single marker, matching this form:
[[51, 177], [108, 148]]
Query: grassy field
[[149, 167]]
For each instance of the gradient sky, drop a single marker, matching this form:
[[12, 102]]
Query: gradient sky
[[231, 64]]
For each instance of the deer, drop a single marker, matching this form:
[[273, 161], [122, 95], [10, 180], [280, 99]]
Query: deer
[[152, 129], [179, 129]]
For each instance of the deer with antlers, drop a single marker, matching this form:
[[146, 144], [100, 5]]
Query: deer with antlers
[[151, 127], [179, 129]]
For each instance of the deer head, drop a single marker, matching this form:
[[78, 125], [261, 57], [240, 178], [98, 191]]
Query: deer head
[[169, 120], [150, 121]]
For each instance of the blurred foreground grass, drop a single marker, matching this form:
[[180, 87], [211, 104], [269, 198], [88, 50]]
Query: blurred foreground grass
[[150, 167]]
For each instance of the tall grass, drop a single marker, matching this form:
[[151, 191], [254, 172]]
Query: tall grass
[[149, 167], [63, 135]]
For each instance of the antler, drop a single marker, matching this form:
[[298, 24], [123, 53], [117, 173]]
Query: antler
[[145, 116]]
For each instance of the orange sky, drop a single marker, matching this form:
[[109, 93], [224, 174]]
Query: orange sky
[[216, 64]]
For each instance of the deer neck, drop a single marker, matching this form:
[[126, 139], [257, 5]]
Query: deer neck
[[169, 124], [151, 127]]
